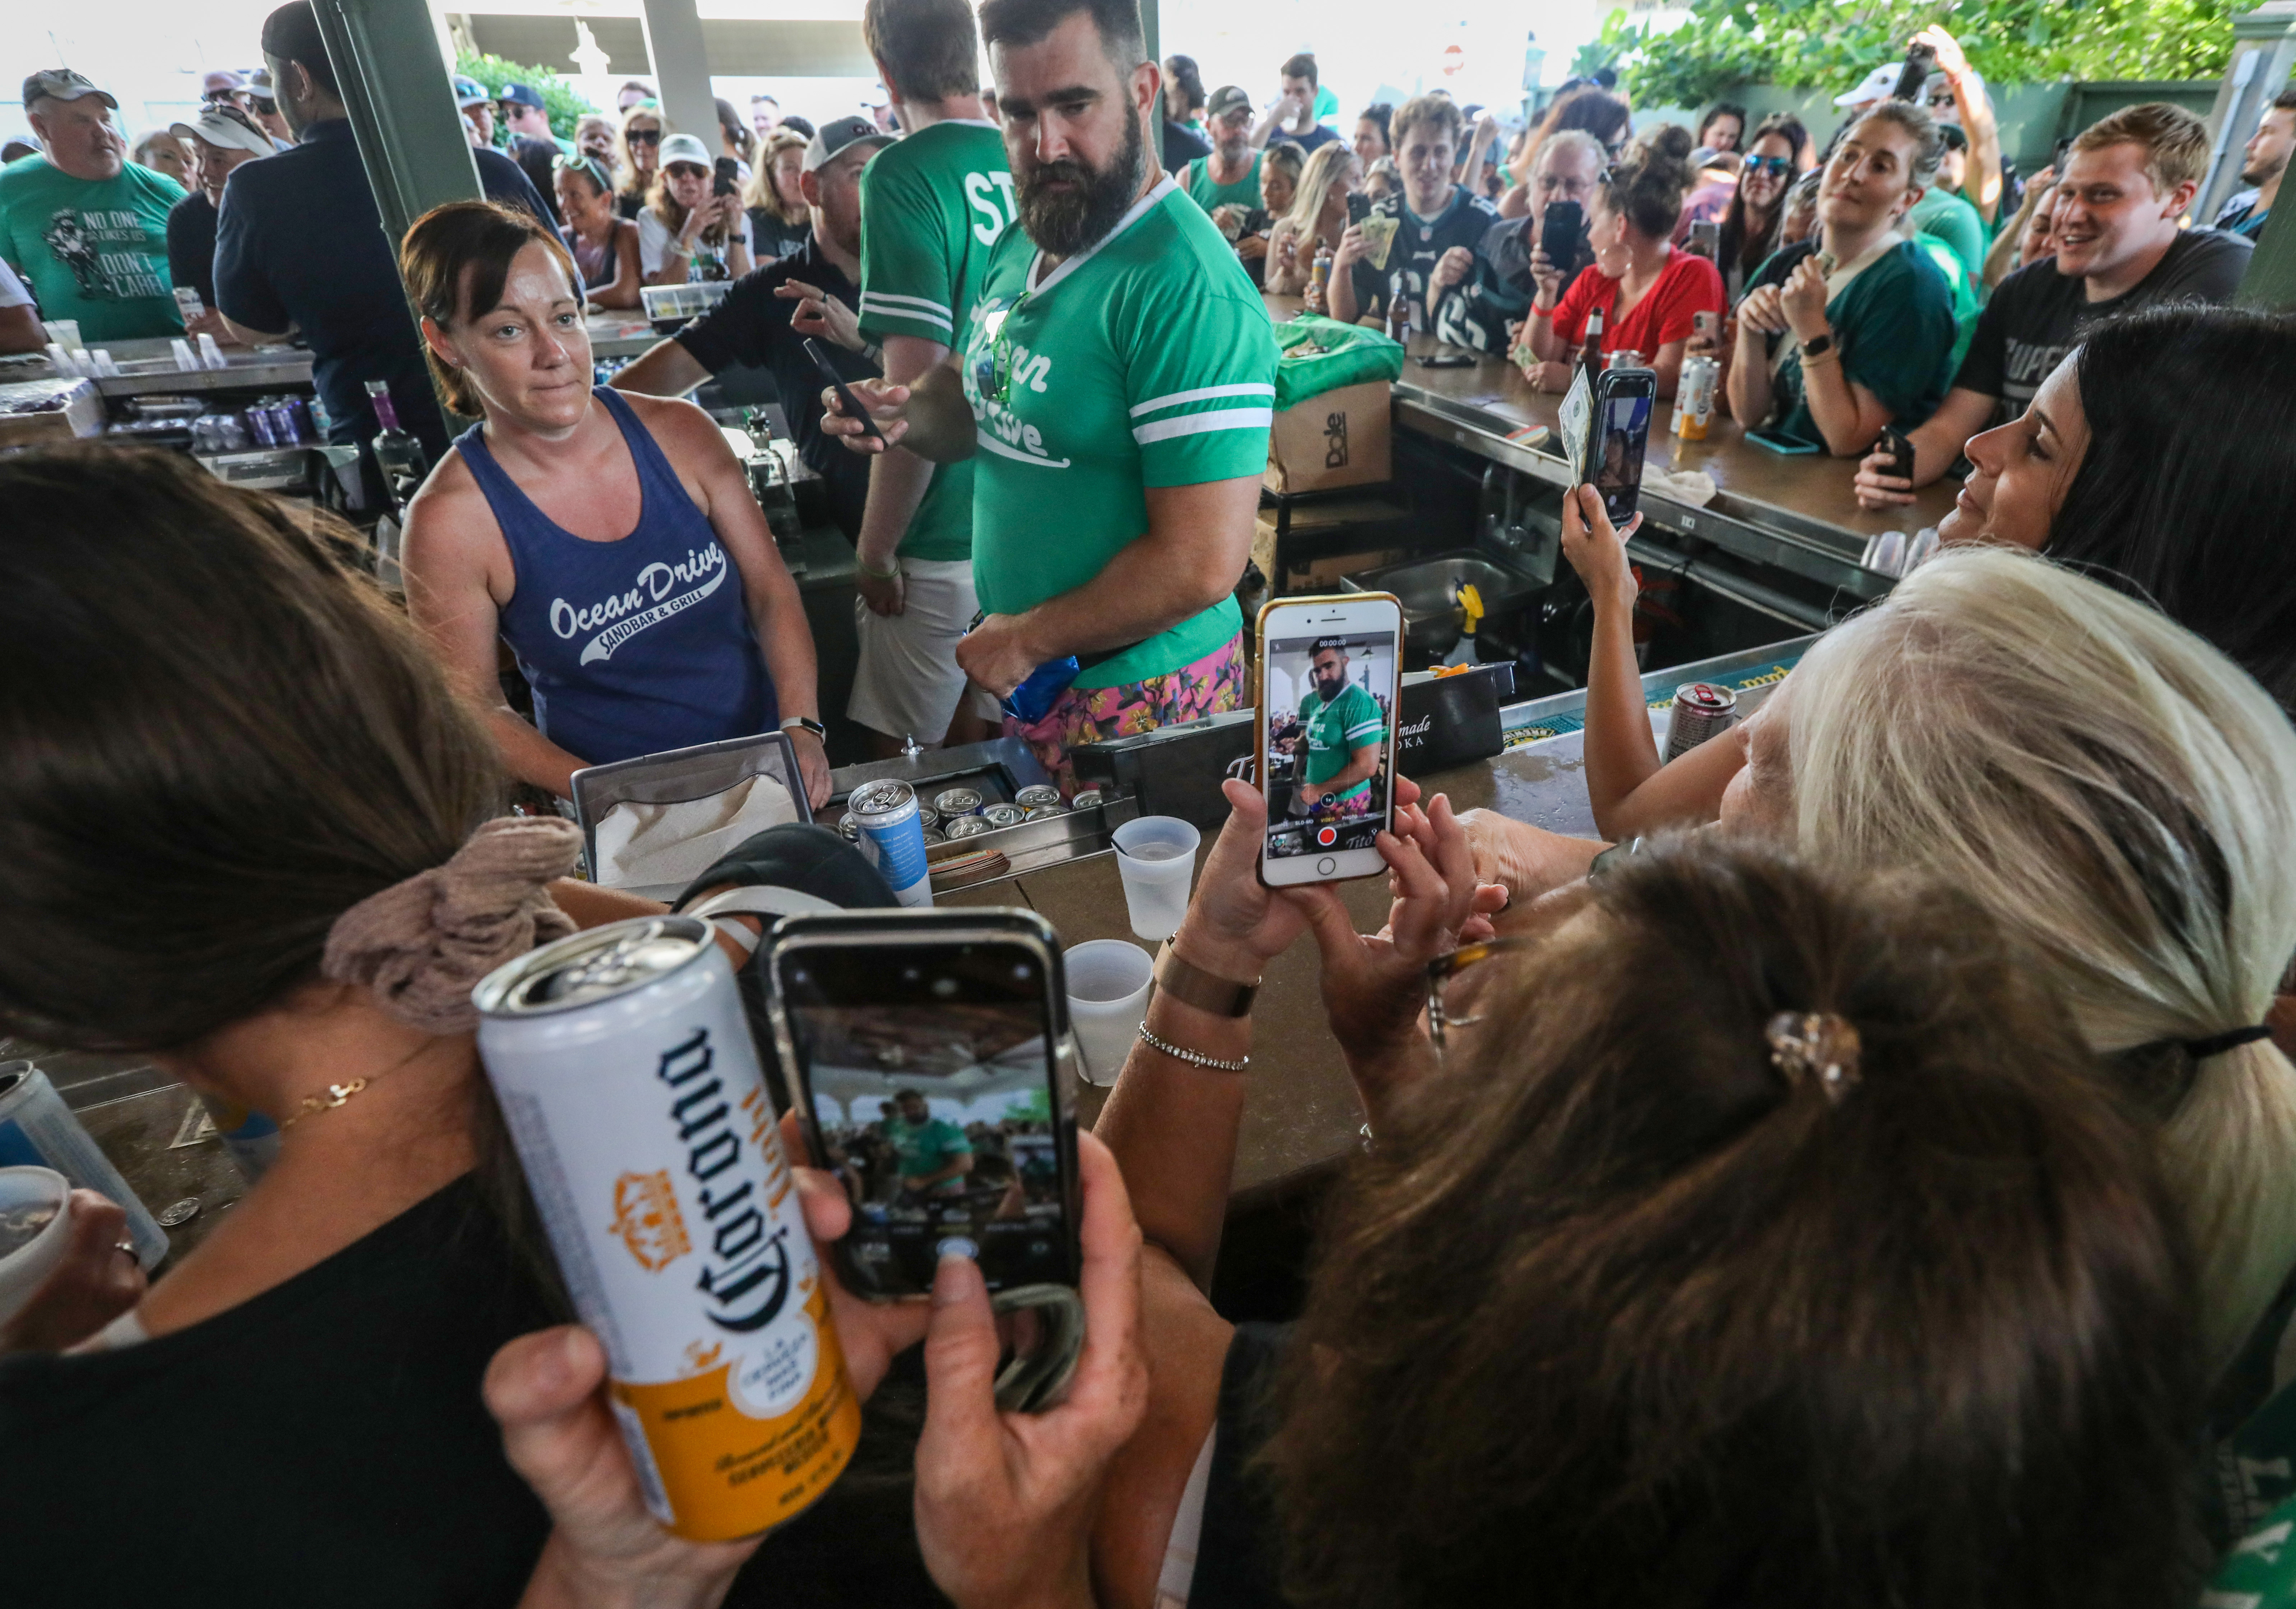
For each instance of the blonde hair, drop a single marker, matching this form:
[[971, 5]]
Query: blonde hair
[[2175, 142], [759, 192], [1326, 167], [2122, 796], [629, 182]]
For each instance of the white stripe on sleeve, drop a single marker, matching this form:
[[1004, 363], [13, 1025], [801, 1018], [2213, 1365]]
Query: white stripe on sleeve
[[880, 306], [1176, 398], [1190, 425]]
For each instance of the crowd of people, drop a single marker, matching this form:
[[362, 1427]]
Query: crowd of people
[[1926, 1240]]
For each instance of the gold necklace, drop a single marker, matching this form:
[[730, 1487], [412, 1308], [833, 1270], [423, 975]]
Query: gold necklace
[[338, 1094]]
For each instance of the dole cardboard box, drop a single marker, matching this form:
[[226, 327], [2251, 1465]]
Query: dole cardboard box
[[1337, 437]]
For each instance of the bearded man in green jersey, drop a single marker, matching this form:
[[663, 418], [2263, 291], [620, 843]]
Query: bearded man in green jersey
[[1114, 388], [1341, 729]]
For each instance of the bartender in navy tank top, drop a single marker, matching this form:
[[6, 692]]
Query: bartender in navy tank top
[[612, 541]]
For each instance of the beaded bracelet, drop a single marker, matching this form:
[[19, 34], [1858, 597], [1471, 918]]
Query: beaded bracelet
[[1196, 1058]]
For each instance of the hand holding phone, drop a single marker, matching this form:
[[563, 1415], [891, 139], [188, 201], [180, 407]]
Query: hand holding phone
[[1327, 672], [863, 425], [725, 176], [1560, 229], [1624, 401]]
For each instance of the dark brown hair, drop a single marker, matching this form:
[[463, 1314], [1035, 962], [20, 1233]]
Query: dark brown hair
[[1645, 186], [217, 737], [929, 47], [1742, 244], [1618, 1308], [1301, 66], [454, 260]]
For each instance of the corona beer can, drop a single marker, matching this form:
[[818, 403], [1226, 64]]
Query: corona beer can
[[627, 1076], [1700, 710], [1693, 397]]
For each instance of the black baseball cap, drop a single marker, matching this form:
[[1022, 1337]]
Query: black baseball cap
[[836, 137], [291, 34]]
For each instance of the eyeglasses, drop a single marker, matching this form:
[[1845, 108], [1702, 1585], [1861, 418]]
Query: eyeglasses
[[644, 136], [1442, 969], [1769, 164]]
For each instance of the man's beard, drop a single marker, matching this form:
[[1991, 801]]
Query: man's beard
[[1235, 151], [1065, 222], [1333, 687], [2264, 171]]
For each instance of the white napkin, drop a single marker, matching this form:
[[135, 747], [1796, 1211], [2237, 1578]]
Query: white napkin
[[1693, 487], [646, 845]]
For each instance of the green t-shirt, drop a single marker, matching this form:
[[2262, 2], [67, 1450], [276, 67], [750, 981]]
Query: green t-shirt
[[1336, 730], [927, 1148], [1207, 196], [1968, 297], [1894, 325], [95, 250], [2260, 1571], [1954, 220], [932, 204], [1145, 360]]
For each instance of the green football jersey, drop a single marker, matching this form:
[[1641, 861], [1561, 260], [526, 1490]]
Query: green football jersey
[[1334, 731], [1244, 192], [933, 203], [1146, 360]]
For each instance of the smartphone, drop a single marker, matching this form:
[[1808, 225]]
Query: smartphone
[[1326, 673], [1624, 401], [1560, 227], [728, 177], [925, 1055], [1445, 360], [1900, 448], [1705, 239], [1708, 324], [1919, 59], [1359, 206], [845, 398], [1787, 445]]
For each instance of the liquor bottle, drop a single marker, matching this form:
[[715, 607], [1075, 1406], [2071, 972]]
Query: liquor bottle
[[1590, 355], [399, 455]]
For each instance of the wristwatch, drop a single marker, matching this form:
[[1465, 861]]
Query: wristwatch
[[809, 724], [1191, 985], [1818, 346]]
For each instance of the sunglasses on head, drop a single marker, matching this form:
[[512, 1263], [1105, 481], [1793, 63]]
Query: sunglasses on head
[[583, 164], [645, 137], [1768, 164]]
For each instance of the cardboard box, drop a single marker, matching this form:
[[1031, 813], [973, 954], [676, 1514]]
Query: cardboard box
[[1341, 437]]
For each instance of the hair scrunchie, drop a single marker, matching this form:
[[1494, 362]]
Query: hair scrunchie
[[421, 945]]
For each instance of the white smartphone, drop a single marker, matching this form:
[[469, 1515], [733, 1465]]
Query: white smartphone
[[1327, 669]]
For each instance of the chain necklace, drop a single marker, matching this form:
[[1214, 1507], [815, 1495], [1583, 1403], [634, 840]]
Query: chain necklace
[[339, 1093]]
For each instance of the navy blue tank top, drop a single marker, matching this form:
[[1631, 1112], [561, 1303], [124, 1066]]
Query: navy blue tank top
[[635, 646]]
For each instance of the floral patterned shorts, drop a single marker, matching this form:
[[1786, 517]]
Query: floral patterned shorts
[[1212, 685]]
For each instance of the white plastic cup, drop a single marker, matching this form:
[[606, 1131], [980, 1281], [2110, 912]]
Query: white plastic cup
[[1156, 857], [1108, 982], [23, 1271]]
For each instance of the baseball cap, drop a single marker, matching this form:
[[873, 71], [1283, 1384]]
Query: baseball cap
[[259, 82], [1226, 99], [684, 148], [222, 81], [470, 93], [1877, 86], [836, 136], [227, 128], [63, 83], [522, 94]]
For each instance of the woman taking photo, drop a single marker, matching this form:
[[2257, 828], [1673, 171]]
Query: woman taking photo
[[1751, 228], [1318, 217], [612, 541], [2149, 460], [605, 247], [684, 218], [1608, 1294], [1649, 292], [638, 158], [780, 222]]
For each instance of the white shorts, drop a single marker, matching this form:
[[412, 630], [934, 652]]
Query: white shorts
[[907, 683]]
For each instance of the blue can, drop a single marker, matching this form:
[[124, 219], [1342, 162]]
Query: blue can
[[259, 425], [893, 836], [38, 1131]]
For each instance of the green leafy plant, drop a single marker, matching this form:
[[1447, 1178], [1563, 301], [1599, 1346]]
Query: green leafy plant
[[1800, 43], [564, 107]]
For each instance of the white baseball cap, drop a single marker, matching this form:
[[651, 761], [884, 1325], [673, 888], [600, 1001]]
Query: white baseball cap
[[1877, 86], [684, 148], [227, 128]]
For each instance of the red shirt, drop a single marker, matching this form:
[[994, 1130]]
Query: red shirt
[[1688, 285]]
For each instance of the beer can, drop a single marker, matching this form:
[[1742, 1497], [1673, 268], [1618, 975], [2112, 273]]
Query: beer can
[[1084, 798], [928, 818], [1003, 814], [1693, 397], [1700, 710], [38, 1131], [848, 827], [892, 836], [933, 835], [1037, 794], [956, 802], [963, 826], [627, 1076], [1044, 813], [260, 427]]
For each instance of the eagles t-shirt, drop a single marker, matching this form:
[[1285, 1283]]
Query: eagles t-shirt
[[2036, 315], [1336, 730], [1419, 244], [93, 250], [1892, 322], [1145, 360], [932, 205]]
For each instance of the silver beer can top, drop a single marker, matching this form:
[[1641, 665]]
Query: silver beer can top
[[964, 826], [957, 801], [593, 965], [1705, 696], [1038, 794], [883, 797]]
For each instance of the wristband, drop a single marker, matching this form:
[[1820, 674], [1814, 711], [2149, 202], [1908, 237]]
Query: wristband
[[1190, 984]]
